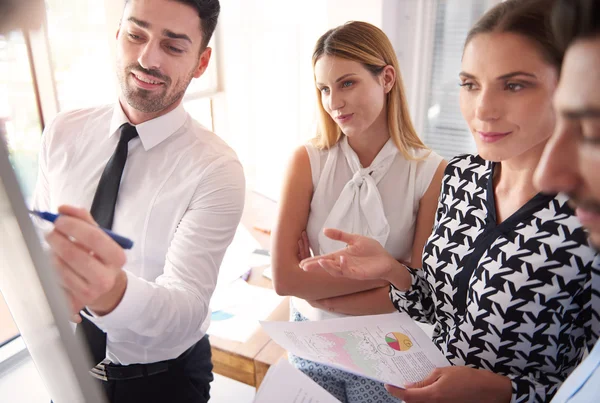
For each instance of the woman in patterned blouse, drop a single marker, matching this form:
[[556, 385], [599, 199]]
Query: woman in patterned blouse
[[506, 271]]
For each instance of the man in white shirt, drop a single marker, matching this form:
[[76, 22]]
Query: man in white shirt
[[145, 169], [571, 159]]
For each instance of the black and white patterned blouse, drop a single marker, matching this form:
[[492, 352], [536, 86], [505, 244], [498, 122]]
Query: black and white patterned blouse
[[513, 298]]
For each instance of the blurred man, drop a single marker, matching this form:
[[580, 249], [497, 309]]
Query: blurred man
[[571, 160]]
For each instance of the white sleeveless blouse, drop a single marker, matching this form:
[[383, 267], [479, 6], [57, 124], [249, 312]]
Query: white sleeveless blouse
[[380, 201]]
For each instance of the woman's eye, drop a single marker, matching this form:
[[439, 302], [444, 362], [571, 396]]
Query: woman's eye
[[514, 87]]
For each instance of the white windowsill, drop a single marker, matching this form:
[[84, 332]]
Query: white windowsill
[[11, 353]]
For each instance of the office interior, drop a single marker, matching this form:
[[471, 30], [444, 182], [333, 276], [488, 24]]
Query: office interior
[[258, 95]]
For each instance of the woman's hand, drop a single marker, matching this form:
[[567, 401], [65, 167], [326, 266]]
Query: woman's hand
[[457, 384], [363, 258]]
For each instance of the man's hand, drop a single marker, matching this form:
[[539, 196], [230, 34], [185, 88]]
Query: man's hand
[[89, 262], [457, 384]]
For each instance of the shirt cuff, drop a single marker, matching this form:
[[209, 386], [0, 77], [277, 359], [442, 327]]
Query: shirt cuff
[[525, 390], [414, 278], [129, 307], [411, 298]]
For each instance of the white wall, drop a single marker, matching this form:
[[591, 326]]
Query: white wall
[[266, 108], [409, 25], [341, 11]]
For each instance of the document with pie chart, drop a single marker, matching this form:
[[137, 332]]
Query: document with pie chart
[[388, 348]]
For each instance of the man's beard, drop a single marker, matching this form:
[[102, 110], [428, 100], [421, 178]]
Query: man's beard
[[147, 101], [589, 205]]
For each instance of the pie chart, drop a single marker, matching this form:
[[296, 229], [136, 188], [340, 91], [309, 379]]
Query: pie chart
[[398, 341]]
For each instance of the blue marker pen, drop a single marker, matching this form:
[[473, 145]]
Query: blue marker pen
[[122, 241]]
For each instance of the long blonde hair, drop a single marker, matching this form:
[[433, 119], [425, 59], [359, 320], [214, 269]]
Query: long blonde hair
[[366, 44]]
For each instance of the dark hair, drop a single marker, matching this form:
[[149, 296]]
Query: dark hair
[[529, 18], [575, 19], [208, 11]]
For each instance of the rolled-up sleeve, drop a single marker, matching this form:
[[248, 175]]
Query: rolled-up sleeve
[[417, 301]]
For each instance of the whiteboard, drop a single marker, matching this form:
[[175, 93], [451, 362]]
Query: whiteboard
[[30, 287]]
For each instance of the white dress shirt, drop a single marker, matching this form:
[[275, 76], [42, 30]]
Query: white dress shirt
[[180, 201]]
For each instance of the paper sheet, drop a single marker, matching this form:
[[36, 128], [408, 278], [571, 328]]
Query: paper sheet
[[237, 259], [389, 348], [268, 273], [284, 383], [237, 309]]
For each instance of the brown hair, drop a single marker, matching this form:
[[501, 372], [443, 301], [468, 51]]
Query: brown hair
[[368, 45], [529, 18], [575, 19], [208, 11]]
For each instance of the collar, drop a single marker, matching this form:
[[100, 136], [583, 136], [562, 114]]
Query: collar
[[152, 132]]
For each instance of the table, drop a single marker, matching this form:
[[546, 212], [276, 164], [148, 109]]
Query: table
[[248, 362]]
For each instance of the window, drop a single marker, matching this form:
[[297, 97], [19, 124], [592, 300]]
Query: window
[[445, 131], [80, 48], [19, 117], [20, 128], [206, 84], [197, 101]]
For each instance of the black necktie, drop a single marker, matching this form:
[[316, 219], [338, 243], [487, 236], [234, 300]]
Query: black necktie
[[103, 211]]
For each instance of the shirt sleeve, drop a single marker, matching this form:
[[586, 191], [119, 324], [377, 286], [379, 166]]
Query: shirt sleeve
[[589, 317], [526, 389], [593, 326], [171, 311], [417, 301], [543, 386]]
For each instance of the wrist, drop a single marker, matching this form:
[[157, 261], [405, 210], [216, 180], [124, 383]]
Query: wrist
[[398, 275], [500, 386], [108, 302]]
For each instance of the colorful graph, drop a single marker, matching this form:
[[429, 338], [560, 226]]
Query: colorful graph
[[398, 341]]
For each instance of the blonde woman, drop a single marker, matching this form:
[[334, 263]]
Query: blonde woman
[[366, 172]]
